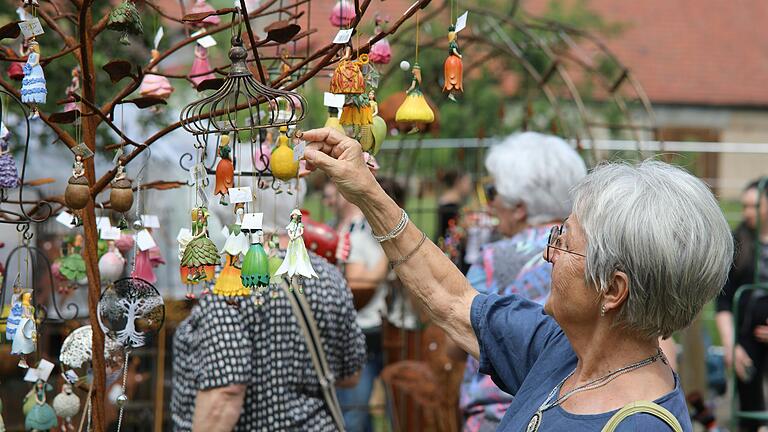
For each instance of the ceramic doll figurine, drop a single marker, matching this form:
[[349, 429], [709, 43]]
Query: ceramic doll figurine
[[72, 89], [66, 405], [25, 339], [415, 108], [14, 316], [33, 3], [41, 416], [230, 281], [381, 51], [356, 114], [342, 14], [9, 174], [453, 68], [348, 77], [33, 89], [200, 255], [296, 262], [184, 238], [225, 171], [201, 6], [155, 85], [255, 272], [201, 68]]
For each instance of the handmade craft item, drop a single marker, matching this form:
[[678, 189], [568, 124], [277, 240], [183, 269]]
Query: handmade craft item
[[453, 68], [201, 67], [381, 51], [77, 193], [255, 271], [153, 85], [200, 254], [25, 337], [66, 405], [201, 6], [225, 171], [378, 127], [296, 262], [76, 350], [72, 264], [33, 87], [282, 163], [41, 416], [72, 89], [130, 310], [9, 174], [14, 315], [415, 108], [357, 116], [348, 77], [111, 264], [126, 20], [274, 263], [146, 262], [230, 281], [121, 195], [333, 121], [342, 14]]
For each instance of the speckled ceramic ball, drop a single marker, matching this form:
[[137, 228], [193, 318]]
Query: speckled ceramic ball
[[404, 65]]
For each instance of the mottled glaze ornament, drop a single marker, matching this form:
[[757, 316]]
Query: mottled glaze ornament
[[153, 85], [282, 162], [255, 271], [9, 174], [415, 108], [200, 255], [348, 77], [33, 87], [126, 20], [130, 310], [296, 262], [41, 416], [342, 14], [201, 67], [225, 171], [454, 82], [76, 350], [66, 405]]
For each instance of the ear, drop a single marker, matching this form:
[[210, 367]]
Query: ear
[[520, 213], [617, 293]]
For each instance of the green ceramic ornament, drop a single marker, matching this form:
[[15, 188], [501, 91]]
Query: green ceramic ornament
[[255, 272], [125, 19], [73, 268]]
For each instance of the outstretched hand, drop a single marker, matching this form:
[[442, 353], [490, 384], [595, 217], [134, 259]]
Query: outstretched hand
[[341, 158]]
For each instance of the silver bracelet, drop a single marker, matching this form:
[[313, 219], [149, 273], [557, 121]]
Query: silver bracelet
[[404, 259], [396, 231]]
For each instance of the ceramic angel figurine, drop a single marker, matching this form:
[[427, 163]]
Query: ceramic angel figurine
[[225, 171], [201, 67], [25, 339], [33, 88], [296, 262], [255, 272], [66, 405], [9, 174], [72, 89], [230, 281], [452, 68], [14, 316], [155, 85], [356, 115], [41, 416], [200, 256], [415, 108]]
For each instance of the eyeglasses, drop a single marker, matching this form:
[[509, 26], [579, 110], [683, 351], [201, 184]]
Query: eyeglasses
[[490, 192], [554, 242]]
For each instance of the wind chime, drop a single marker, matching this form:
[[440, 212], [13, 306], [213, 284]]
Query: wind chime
[[453, 68], [415, 108]]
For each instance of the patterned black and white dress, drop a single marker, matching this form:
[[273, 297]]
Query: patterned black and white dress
[[262, 347]]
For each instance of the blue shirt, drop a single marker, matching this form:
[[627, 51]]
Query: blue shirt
[[527, 354]]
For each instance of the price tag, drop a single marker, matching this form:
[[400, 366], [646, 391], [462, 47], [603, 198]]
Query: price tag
[[31, 28], [298, 151], [461, 22], [103, 222], [82, 150], [150, 221], [110, 233], [144, 240], [205, 41], [252, 221], [42, 371], [333, 100], [158, 37], [197, 173], [343, 36], [66, 219], [184, 235], [240, 195]]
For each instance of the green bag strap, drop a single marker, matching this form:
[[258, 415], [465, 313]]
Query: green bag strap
[[643, 407]]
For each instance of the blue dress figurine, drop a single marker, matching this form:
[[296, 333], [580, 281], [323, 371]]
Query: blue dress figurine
[[33, 90], [41, 417]]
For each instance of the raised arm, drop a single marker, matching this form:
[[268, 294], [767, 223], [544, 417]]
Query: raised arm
[[428, 273]]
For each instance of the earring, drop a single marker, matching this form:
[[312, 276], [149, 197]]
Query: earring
[[602, 310]]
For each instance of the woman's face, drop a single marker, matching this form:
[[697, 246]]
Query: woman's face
[[749, 208], [572, 303]]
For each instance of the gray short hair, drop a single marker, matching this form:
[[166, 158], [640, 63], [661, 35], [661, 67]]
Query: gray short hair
[[662, 227], [537, 170]]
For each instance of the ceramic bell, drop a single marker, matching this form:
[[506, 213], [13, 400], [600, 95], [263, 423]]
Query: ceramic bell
[[125, 19], [121, 196]]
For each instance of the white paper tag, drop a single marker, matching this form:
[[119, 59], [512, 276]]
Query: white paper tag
[[298, 151], [333, 100], [110, 233], [144, 240], [252, 221], [150, 221], [343, 36], [65, 218], [42, 371], [240, 195], [31, 27], [158, 37], [197, 173], [461, 22], [205, 41], [103, 222], [184, 235]]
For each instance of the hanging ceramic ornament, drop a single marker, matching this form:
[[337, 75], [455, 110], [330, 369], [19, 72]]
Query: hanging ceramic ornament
[[41, 417], [72, 89], [200, 6], [201, 68], [378, 126], [333, 121], [296, 262], [25, 337], [33, 88], [72, 264], [14, 315], [125, 243], [76, 350], [9, 174], [15, 71], [111, 264], [381, 52], [66, 405], [348, 77], [452, 68], [130, 310], [230, 282], [200, 255], [323, 240], [284, 166], [356, 116], [342, 14], [155, 85], [415, 108], [255, 271], [126, 20], [146, 262], [225, 171], [121, 195], [78, 193]]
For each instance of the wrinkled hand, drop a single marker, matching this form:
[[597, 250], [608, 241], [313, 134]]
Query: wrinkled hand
[[761, 333], [341, 158], [742, 362]]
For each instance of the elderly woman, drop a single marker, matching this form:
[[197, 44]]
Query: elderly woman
[[645, 247]]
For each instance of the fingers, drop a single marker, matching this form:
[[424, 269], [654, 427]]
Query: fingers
[[316, 158], [329, 136], [331, 142]]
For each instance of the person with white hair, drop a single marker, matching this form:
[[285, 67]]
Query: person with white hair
[[243, 366], [532, 175], [644, 248]]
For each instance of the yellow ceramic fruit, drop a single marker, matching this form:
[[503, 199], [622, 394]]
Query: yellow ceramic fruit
[[283, 166]]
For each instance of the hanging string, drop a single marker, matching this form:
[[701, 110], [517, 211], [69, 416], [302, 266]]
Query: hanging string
[[125, 378], [418, 14]]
